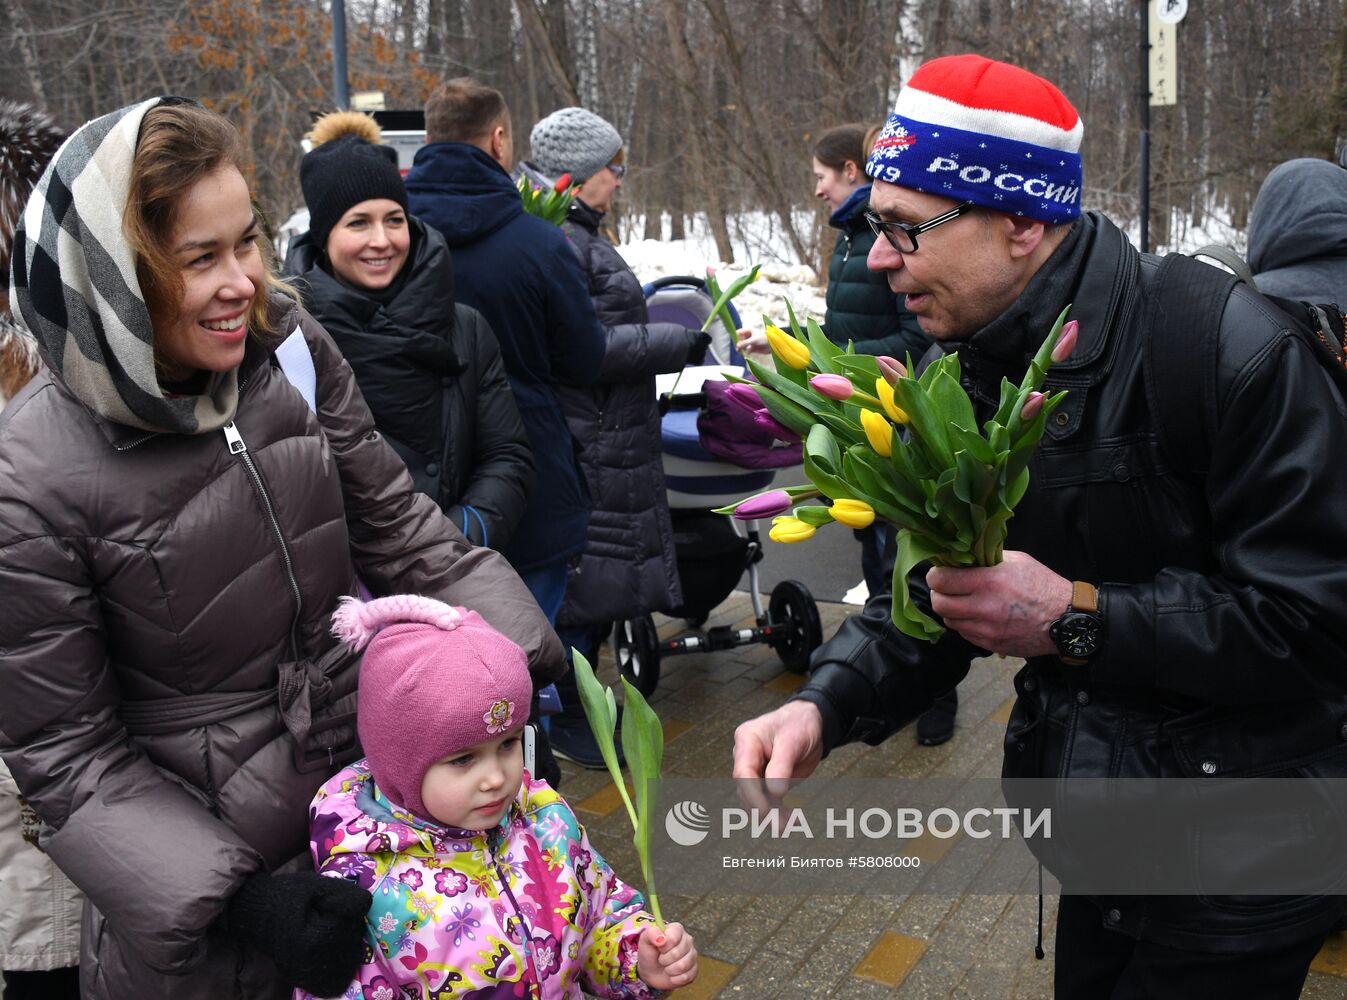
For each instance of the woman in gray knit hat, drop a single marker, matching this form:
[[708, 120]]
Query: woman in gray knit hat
[[628, 566]]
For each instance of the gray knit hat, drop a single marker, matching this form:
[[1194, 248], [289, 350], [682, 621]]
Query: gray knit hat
[[573, 141]]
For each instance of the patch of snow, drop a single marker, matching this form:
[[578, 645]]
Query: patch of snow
[[780, 279]]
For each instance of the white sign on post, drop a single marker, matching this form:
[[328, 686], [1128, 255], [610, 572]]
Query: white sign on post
[[1164, 50], [1172, 11]]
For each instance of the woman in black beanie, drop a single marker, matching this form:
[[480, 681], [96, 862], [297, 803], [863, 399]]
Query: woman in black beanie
[[382, 285]]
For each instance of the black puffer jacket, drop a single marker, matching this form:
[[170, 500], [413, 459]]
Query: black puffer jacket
[[628, 565], [1224, 600], [432, 375]]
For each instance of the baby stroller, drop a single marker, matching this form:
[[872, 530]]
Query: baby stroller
[[713, 551]]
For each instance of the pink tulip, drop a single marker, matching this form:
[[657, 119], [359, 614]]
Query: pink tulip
[[763, 505], [837, 387], [745, 395], [775, 427], [890, 368], [1032, 405], [1066, 343]]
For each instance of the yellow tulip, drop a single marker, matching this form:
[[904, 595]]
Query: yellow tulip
[[853, 513], [787, 348], [878, 431], [790, 529], [885, 393]]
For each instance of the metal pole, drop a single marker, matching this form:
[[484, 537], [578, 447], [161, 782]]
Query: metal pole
[[1145, 127], [340, 93]]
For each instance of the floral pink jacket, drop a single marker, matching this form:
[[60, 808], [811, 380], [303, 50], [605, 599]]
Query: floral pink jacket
[[527, 910]]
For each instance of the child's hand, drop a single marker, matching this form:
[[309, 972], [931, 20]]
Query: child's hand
[[667, 959], [752, 342]]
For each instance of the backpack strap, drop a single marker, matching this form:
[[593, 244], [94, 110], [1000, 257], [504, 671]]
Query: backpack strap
[[1227, 257], [1182, 329]]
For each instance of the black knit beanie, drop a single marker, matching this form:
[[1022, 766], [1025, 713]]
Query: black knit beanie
[[345, 172]]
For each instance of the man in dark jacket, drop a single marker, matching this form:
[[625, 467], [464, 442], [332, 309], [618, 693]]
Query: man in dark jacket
[[519, 272], [629, 567], [1173, 625]]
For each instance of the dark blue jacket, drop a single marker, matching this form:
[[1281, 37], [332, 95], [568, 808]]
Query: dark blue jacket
[[523, 276]]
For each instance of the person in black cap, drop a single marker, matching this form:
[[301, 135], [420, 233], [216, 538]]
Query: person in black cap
[[381, 283]]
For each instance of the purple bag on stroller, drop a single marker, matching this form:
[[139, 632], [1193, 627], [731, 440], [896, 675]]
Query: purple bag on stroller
[[728, 431]]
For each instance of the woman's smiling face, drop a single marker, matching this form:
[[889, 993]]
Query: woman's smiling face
[[369, 244], [214, 241]]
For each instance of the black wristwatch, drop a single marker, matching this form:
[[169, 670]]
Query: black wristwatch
[[1078, 633]]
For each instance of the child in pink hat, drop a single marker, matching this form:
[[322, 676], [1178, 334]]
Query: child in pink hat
[[485, 884]]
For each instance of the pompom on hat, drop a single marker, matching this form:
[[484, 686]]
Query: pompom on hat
[[346, 166], [971, 129], [435, 680]]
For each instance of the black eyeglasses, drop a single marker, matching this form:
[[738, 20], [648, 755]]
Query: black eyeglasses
[[618, 169], [902, 236]]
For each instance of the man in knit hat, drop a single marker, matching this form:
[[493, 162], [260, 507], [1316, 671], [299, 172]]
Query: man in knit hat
[[1175, 624]]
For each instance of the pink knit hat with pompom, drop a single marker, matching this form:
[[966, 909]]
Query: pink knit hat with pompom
[[434, 681]]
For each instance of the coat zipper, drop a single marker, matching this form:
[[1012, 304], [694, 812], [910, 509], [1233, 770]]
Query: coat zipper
[[526, 938], [127, 446], [846, 254], [238, 447]]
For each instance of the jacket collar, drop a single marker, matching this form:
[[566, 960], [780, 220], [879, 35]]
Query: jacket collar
[[848, 214], [1095, 271], [584, 216], [461, 191]]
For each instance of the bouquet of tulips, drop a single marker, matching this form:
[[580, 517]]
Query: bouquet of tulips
[[881, 443], [550, 204]]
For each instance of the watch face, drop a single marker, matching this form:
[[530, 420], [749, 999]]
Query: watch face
[[1076, 634]]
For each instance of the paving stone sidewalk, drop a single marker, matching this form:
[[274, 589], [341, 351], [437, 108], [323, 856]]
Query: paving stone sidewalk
[[861, 947]]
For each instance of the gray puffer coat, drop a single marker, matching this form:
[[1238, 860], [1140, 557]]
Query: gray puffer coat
[[628, 565], [167, 667]]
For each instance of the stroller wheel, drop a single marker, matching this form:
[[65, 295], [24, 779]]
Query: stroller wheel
[[636, 649], [793, 609]]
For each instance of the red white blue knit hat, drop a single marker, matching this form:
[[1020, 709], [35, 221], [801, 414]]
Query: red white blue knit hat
[[971, 129]]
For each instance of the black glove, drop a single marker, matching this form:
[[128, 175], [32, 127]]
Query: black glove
[[697, 349], [312, 927]]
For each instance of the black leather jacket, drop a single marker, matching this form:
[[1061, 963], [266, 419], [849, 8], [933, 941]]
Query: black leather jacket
[[1224, 599]]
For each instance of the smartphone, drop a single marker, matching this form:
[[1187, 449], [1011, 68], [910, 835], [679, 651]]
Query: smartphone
[[530, 747]]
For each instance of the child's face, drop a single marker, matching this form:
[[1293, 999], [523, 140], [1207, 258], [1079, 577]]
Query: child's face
[[471, 789]]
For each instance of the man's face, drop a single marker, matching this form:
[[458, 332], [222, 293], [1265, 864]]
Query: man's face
[[962, 274]]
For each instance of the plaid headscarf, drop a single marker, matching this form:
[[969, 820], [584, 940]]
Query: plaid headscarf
[[73, 284]]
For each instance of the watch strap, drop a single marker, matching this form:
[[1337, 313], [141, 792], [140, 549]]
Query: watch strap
[[1084, 597]]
